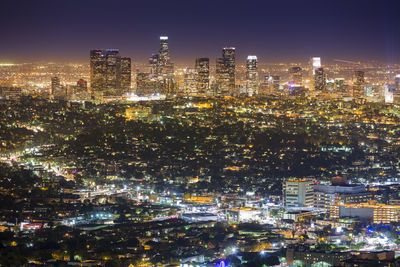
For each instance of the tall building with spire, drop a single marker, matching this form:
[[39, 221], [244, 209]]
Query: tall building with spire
[[162, 69], [252, 84], [164, 58]]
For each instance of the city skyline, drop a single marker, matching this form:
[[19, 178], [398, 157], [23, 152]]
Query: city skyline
[[272, 31]]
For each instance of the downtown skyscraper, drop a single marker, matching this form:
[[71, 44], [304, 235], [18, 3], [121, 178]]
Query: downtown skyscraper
[[106, 73], [162, 69], [225, 72], [252, 84], [358, 84], [319, 79], [202, 68], [126, 74]]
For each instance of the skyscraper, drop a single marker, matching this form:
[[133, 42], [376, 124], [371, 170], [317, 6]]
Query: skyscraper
[[225, 72], [108, 73], [202, 68], [55, 86], [113, 73], [296, 76], [164, 56], [126, 74], [317, 74], [358, 84], [166, 67], [97, 71], [154, 69], [228, 54], [190, 82], [162, 69], [252, 85], [222, 78], [319, 79]]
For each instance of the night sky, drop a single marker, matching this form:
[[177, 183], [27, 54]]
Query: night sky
[[284, 30]]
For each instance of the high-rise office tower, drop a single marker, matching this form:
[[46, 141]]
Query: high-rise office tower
[[228, 54], [225, 72], [222, 78], [164, 56], [165, 65], [319, 79], [296, 76], [298, 193], [55, 85], [252, 85], [316, 65], [105, 73], [190, 82], [97, 71], [358, 84], [162, 69], [154, 69], [126, 74], [202, 68], [113, 73]]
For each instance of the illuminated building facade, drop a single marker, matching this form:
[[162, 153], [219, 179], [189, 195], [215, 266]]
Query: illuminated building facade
[[164, 58], [327, 195], [228, 54], [225, 71], [55, 85], [126, 74], [97, 71], [298, 193], [106, 73], [252, 85], [202, 68], [162, 69], [319, 79], [113, 73], [222, 78], [146, 86], [370, 211], [153, 62], [190, 82], [359, 84]]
